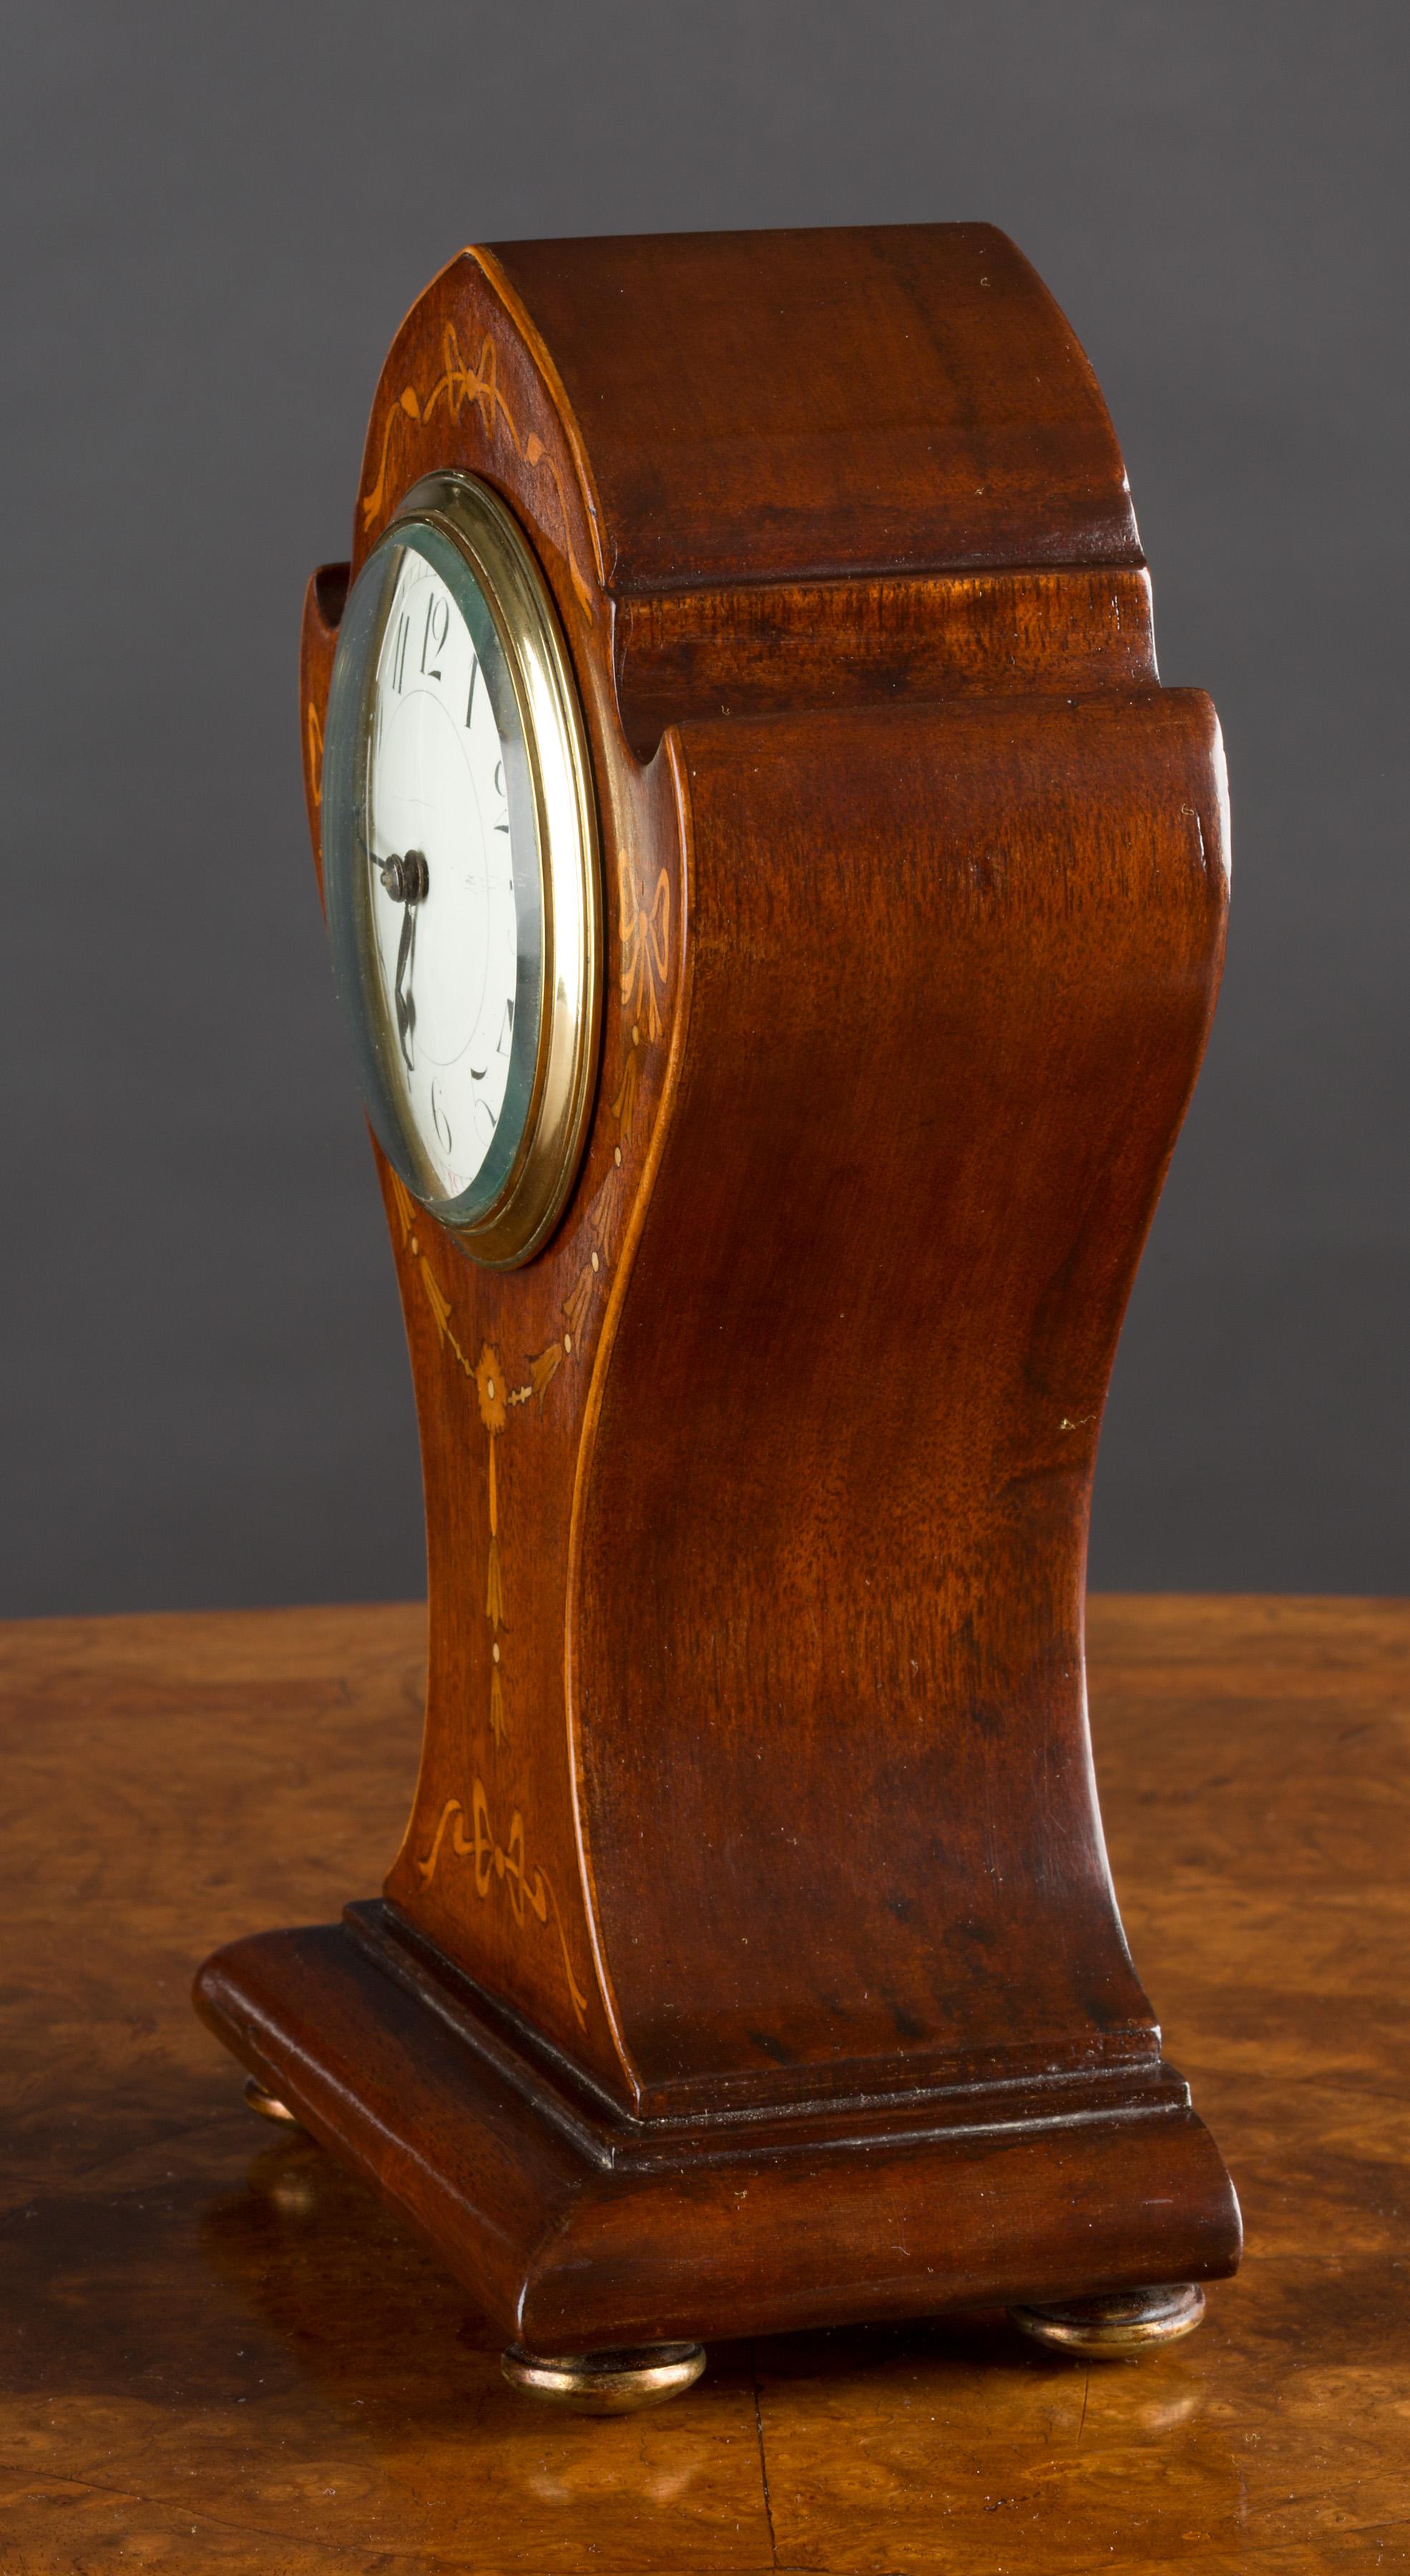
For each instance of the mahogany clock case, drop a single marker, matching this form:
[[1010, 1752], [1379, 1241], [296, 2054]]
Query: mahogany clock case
[[751, 1959]]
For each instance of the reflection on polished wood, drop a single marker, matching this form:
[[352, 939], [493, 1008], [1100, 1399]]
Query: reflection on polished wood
[[220, 2354]]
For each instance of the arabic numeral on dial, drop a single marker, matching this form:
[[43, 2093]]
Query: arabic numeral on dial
[[485, 1120], [439, 1119], [506, 1034], [399, 650], [437, 629]]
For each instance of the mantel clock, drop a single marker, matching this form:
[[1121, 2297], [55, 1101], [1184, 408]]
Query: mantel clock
[[778, 913]]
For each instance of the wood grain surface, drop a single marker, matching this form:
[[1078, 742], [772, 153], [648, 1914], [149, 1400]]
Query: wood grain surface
[[220, 2353]]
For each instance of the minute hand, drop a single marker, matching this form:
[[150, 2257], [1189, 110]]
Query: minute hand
[[404, 997]]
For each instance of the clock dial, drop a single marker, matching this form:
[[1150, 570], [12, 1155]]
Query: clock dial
[[441, 861], [460, 869]]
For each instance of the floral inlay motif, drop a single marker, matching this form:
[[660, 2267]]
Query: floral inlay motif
[[458, 386], [646, 944], [528, 1893]]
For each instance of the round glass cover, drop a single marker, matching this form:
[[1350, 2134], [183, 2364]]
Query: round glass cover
[[459, 868]]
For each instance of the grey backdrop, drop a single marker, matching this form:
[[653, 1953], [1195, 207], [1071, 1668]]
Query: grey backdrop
[[216, 218]]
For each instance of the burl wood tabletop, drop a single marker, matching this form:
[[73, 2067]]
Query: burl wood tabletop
[[219, 2354]]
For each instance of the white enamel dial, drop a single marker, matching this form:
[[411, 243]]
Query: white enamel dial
[[460, 869], [441, 860]]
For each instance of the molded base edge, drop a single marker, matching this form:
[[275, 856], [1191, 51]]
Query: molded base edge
[[988, 2202]]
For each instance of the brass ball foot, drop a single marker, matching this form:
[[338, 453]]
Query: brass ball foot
[[1111, 2329], [605, 2383], [269, 2105]]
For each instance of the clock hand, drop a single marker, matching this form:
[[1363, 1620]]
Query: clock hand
[[407, 879], [405, 999]]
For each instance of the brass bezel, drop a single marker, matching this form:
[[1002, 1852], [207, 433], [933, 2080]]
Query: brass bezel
[[534, 1191]]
